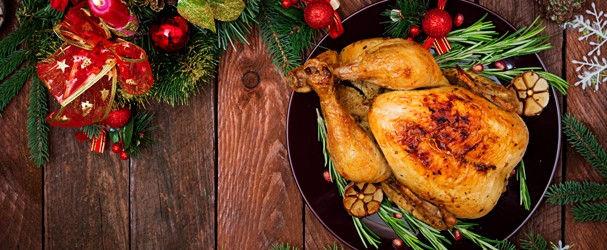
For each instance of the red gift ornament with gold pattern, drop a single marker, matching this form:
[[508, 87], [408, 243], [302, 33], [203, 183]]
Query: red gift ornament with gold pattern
[[84, 73]]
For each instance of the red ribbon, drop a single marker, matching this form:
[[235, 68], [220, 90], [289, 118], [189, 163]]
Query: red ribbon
[[83, 73]]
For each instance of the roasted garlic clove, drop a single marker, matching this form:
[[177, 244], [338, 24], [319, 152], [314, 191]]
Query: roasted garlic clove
[[532, 92], [362, 199]]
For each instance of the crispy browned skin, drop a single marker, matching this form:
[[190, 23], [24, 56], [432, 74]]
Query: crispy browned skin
[[355, 155], [392, 63], [449, 146]]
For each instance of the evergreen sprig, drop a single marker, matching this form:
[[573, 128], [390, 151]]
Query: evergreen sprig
[[575, 192], [228, 33], [37, 128], [11, 63], [140, 138], [534, 242], [285, 34], [585, 143], [403, 16], [590, 212], [93, 130], [10, 88]]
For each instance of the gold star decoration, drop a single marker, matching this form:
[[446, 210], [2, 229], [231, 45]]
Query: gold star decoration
[[104, 94], [85, 62], [62, 66], [86, 107]]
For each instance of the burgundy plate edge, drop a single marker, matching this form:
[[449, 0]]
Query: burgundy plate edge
[[554, 94]]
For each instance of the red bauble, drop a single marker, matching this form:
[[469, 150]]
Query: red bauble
[[118, 118], [414, 31], [459, 19], [318, 14], [437, 23], [124, 155], [286, 3], [117, 148], [170, 33]]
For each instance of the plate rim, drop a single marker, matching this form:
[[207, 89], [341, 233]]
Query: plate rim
[[554, 97]]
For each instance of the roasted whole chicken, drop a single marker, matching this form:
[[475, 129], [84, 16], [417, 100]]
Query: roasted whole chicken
[[442, 147]]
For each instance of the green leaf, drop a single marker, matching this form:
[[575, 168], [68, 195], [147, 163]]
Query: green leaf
[[198, 12], [227, 10], [115, 136], [127, 133]]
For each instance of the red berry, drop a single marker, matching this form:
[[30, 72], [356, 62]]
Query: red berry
[[459, 19], [318, 14], [478, 68], [286, 3], [500, 65], [398, 216], [327, 176], [124, 155], [397, 242], [437, 23], [457, 235], [118, 118], [116, 148], [414, 31], [294, 1]]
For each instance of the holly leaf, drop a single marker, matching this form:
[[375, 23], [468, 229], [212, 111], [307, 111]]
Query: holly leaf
[[197, 12], [127, 133], [114, 136], [227, 10]]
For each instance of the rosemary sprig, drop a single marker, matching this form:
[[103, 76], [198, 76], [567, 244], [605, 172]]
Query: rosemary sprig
[[480, 31], [366, 235], [402, 229], [525, 41], [521, 177], [555, 81], [485, 243]]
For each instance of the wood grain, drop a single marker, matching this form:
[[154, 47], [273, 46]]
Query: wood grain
[[21, 188], [258, 203], [172, 188], [589, 107], [86, 196], [546, 220]]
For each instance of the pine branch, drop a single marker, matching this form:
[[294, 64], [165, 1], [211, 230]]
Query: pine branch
[[585, 143], [596, 212], [9, 44], [405, 14], [37, 128], [10, 63], [92, 130], [283, 246], [534, 242], [140, 138], [575, 192], [228, 33], [10, 88]]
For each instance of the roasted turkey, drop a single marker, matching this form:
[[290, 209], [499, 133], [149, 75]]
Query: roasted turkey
[[451, 145]]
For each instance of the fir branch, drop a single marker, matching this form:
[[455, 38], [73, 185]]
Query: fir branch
[[142, 125], [37, 128], [505, 245], [92, 131], [285, 34], [596, 212], [534, 242], [9, 44], [333, 247], [521, 177], [585, 143], [10, 88], [575, 192], [282, 246], [10, 63], [525, 41], [405, 14], [230, 32]]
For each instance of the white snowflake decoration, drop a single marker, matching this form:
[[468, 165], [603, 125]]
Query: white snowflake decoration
[[594, 70]]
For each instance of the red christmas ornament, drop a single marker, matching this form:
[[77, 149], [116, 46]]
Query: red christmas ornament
[[318, 14], [414, 31], [124, 155], [117, 148], [437, 23], [286, 3], [170, 33], [118, 118], [459, 19]]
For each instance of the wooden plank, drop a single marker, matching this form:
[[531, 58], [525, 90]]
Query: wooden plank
[[173, 183], [547, 218], [258, 203], [86, 196], [589, 107], [20, 181], [316, 235]]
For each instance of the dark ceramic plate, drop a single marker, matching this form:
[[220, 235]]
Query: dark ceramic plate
[[305, 152]]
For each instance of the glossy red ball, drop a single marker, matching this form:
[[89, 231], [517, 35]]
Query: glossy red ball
[[170, 33], [124, 155], [117, 148], [414, 31], [437, 23], [286, 3], [458, 20], [318, 14], [118, 118]]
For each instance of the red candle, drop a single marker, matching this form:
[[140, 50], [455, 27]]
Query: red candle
[[113, 12]]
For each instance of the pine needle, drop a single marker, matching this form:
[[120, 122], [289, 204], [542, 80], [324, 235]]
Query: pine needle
[[585, 143], [282, 246], [10, 63], [574, 192], [37, 128], [534, 242], [596, 212], [10, 88], [9, 44], [92, 131], [405, 14]]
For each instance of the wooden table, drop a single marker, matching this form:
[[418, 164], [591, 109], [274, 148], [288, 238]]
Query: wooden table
[[218, 175]]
